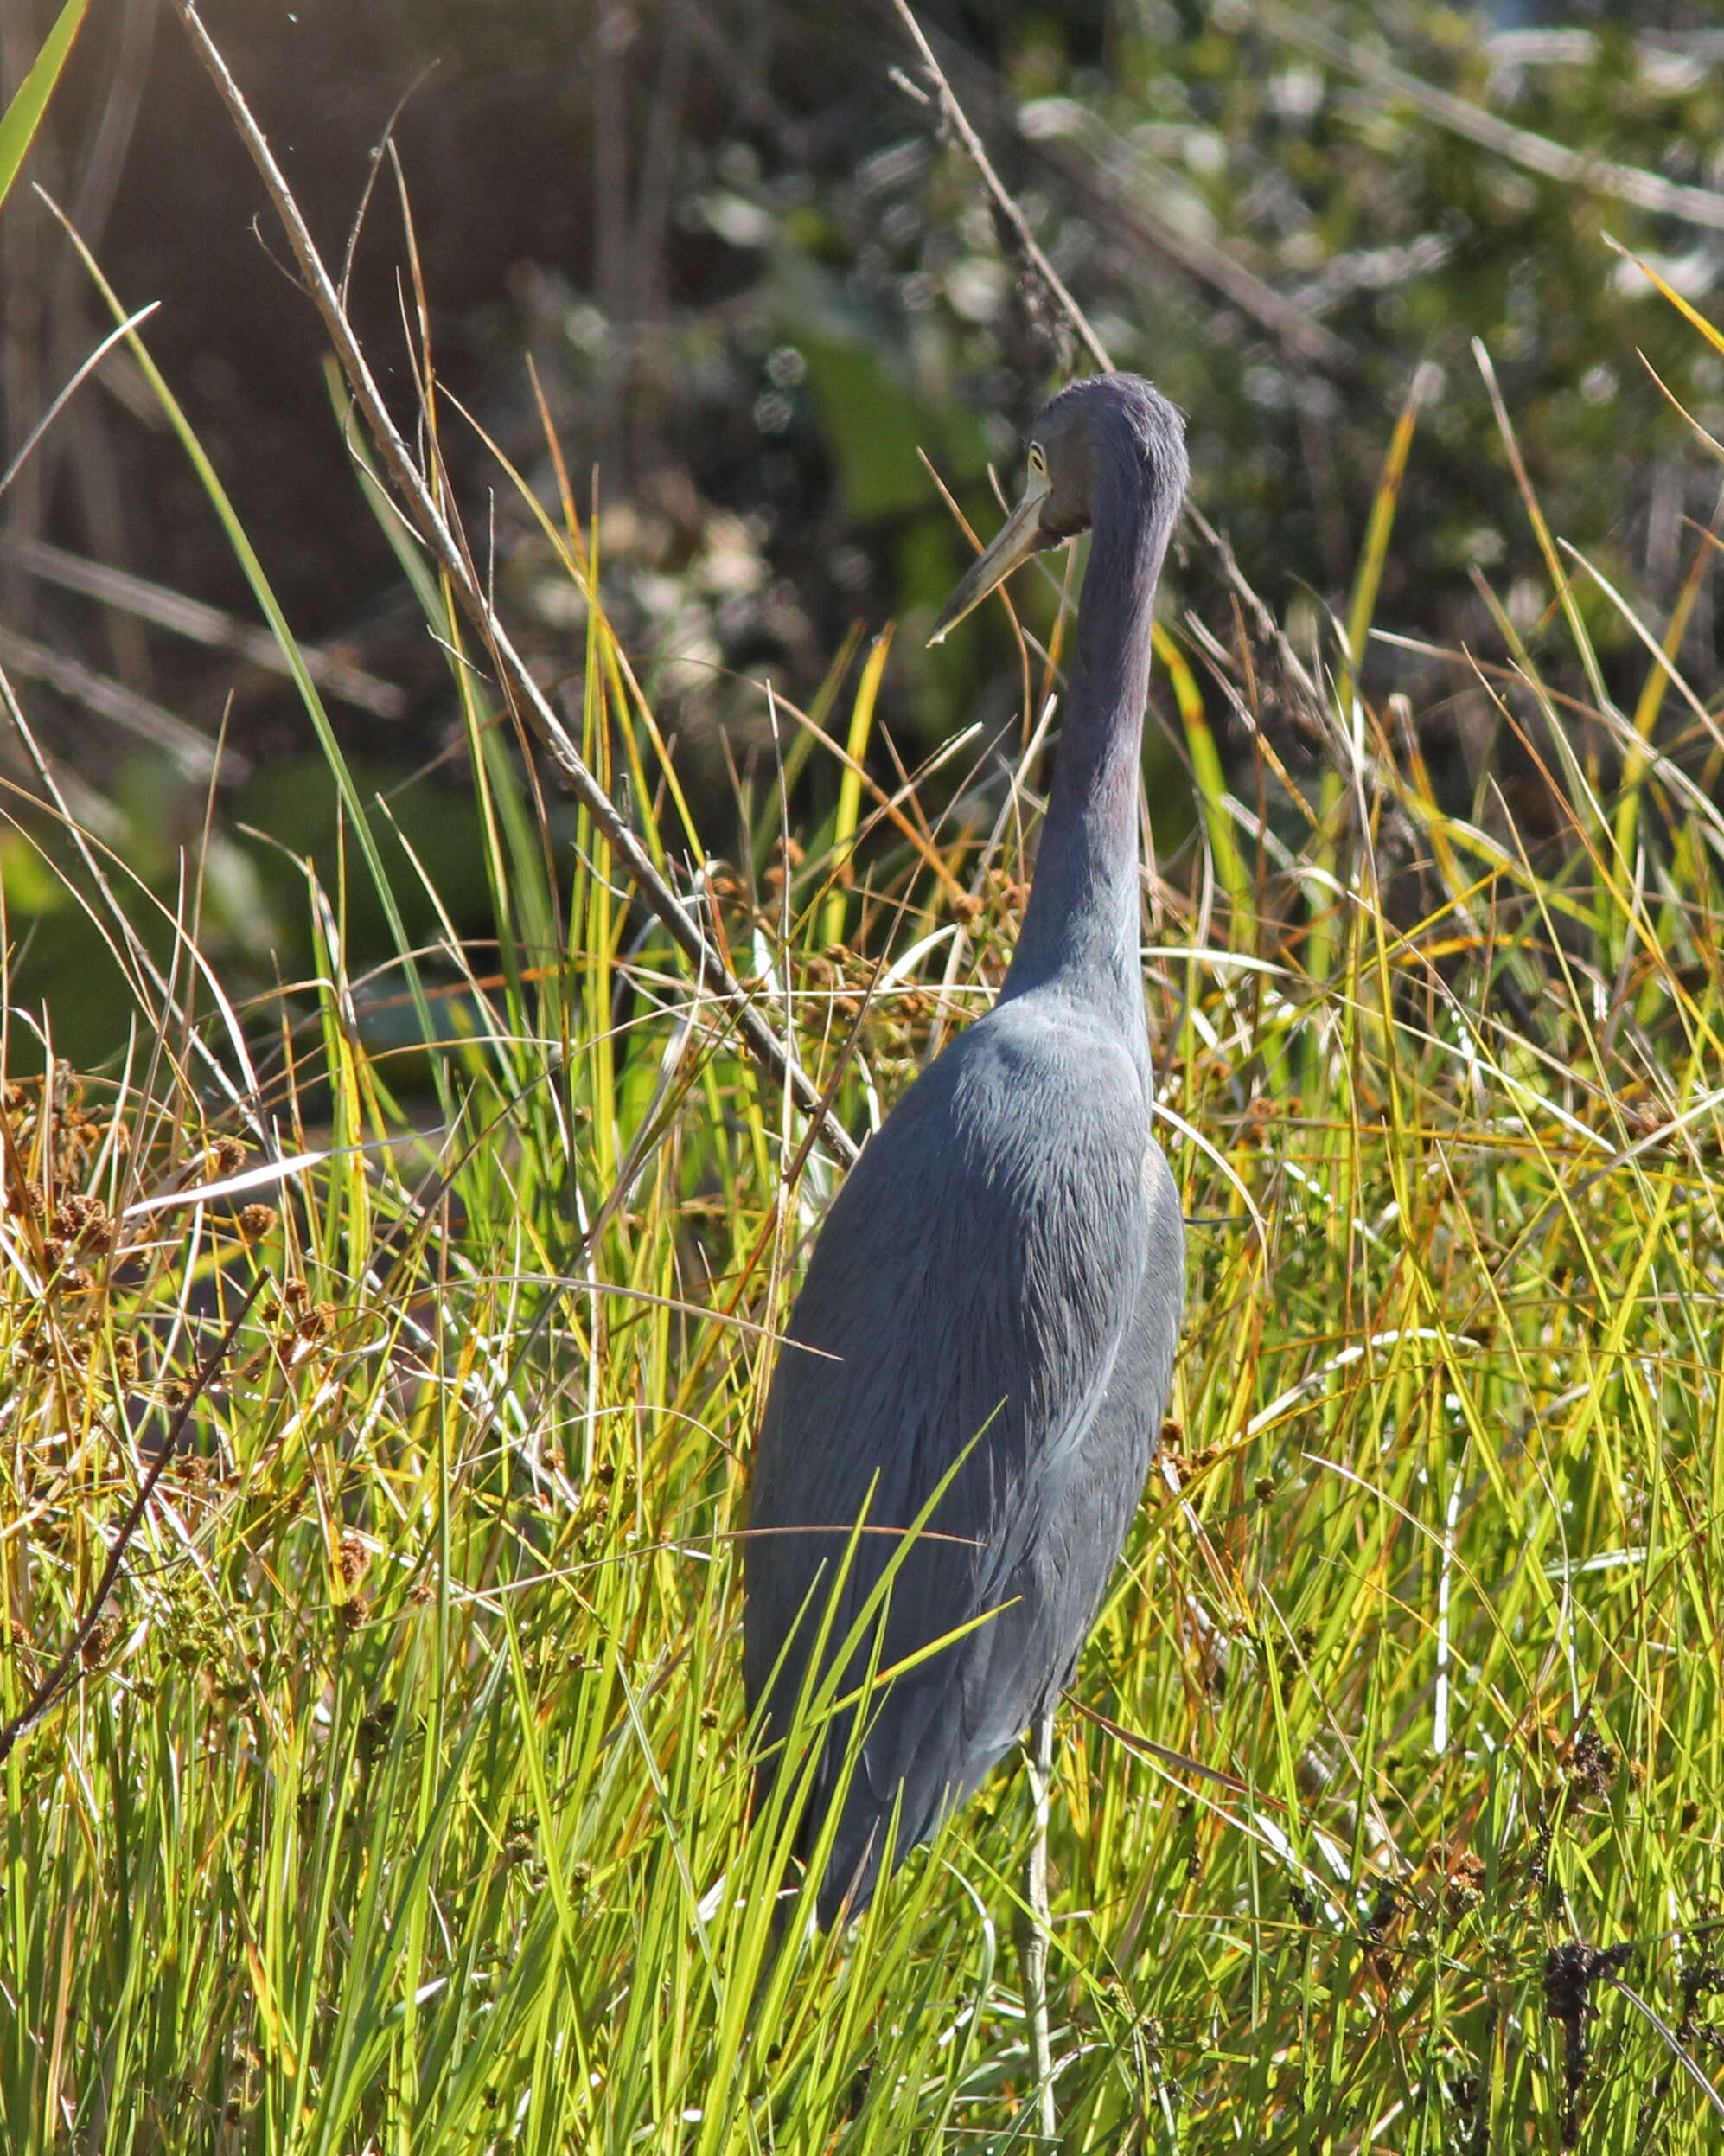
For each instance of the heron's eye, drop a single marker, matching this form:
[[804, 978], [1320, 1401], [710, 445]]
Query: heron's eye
[[1038, 463]]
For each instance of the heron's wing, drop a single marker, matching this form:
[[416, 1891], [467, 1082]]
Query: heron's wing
[[1062, 1580], [973, 1280]]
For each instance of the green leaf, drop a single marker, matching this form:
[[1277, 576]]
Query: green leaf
[[23, 115]]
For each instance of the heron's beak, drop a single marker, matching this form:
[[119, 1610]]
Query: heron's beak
[[1022, 537]]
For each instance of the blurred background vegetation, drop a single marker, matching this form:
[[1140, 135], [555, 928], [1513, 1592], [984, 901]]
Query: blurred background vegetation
[[754, 279]]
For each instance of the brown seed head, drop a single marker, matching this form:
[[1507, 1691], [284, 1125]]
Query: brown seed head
[[1592, 1763], [104, 1636], [1465, 1885], [84, 1220], [316, 1323]]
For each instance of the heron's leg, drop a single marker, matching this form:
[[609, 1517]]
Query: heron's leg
[[1035, 1929]]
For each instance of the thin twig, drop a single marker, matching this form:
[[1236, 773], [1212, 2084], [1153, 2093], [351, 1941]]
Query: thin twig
[[953, 114], [440, 536], [384, 144], [51, 1685]]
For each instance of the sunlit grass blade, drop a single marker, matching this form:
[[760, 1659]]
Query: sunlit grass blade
[[23, 116]]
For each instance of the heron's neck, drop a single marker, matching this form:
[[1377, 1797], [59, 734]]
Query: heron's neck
[[1081, 927]]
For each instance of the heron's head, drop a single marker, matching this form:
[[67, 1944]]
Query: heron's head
[[1112, 438]]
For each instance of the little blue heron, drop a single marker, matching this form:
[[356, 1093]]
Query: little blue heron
[[996, 1291]]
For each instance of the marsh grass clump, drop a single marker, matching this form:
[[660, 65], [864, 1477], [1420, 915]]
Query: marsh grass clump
[[400, 1792], [397, 1796]]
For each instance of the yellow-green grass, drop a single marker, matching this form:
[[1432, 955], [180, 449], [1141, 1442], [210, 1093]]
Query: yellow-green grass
[[401, 1801]]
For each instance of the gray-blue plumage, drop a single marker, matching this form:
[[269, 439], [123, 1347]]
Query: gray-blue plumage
[[1006, 1263]]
